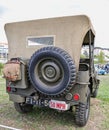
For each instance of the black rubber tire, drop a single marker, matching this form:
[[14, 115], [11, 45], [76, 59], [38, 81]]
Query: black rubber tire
[[95, 93], [23, 108], [60, 62], [82, 112]]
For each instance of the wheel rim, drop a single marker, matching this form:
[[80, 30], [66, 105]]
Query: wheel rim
[[49, 72]]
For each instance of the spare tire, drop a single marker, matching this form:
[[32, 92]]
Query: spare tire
[[52, 71]]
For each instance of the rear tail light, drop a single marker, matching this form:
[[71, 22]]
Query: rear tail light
[[8, 88], [76, 96]]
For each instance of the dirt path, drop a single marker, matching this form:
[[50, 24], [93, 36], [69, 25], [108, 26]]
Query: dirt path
[[96, 116]]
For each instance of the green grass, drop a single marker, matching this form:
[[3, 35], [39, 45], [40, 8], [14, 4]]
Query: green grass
[[103, 95], [3, 94], [105, 110], [49, 119]]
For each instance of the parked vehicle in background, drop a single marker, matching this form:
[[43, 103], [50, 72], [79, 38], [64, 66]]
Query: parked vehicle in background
[[102, 69], [45, 68], [101, 72], [107, 67]]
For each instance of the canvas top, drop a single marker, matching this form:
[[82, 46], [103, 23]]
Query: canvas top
[[68, 33]]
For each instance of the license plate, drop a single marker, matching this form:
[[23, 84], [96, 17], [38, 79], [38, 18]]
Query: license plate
[[59, 105], [31, 100]]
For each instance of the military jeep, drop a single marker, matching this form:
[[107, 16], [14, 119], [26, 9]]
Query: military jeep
[[46, 68]]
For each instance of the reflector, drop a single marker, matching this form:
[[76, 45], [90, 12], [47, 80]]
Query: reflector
[[76, 96], [8, 88]]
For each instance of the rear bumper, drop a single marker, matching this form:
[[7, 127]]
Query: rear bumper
[[44, 102], [51, 103]]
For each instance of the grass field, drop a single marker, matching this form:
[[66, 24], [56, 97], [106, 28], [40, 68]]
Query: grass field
[[103, 96], [48, 119]]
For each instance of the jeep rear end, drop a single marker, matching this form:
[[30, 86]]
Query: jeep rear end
[[45, 68]]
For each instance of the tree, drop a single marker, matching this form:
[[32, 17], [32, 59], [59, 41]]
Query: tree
[[86, 54], [101, 58]]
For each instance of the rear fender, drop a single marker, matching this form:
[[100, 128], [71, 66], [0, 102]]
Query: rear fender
[[82, 91]]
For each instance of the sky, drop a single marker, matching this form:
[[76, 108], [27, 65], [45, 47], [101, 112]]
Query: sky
[[22, 10]]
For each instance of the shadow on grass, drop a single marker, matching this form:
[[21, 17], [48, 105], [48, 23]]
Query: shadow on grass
[[45, 117], [48, 116]]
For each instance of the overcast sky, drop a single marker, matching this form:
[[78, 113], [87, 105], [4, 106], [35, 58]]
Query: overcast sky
[[20, 10]]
